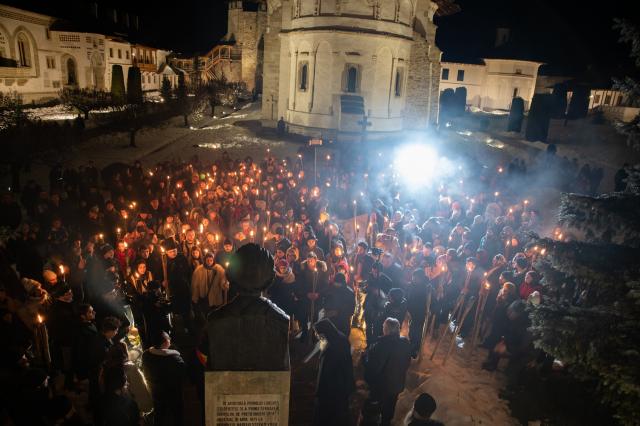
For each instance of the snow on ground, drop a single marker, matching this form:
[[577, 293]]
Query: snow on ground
[[465, 394]]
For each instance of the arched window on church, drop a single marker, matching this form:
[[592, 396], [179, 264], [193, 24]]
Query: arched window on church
[[352, 79], [399, 82], [3, 46], [72, 77], [304, 77], [24, 51]]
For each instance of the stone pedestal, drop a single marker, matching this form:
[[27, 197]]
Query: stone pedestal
[[248, 398]]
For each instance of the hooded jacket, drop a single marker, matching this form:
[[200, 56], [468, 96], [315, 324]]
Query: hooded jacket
[[209, 283]]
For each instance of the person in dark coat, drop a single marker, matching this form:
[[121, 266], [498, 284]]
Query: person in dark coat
[[164, 370], [178, 282], [311, 285], [61, 316], [396, 306], [85, 332], [335, 376], [339, 304], [118, 407], [386, 366], [417, 307], [379, 279], [373, 308], [98, 349]]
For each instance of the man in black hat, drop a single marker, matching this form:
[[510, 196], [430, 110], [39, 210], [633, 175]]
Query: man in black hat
[[311, 246], [234, 344], [178, 282], [223, 256], [340, 304]]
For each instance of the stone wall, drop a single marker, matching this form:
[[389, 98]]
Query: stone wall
[[271, 67], [247, 28], [422, 87]]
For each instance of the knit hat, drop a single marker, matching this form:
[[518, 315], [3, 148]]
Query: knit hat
[[105, 248], [169, 244]]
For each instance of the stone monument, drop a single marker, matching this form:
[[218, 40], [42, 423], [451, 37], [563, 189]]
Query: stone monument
[[248, 381]]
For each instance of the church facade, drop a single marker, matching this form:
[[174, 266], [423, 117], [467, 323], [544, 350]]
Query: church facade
[[345, 65]]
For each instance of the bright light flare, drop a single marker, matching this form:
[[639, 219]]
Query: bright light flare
[[416, 164]]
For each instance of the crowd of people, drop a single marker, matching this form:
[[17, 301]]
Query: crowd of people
[[103, 266]]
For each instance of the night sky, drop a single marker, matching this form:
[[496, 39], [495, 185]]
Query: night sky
[[569, 35]]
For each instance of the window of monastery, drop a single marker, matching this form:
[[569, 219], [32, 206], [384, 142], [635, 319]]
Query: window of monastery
[[460, 75], [515, 92], [72, 78], [304, 76], [597, 99], [518, 71], [24, 51], [352, 80], [3, 46], [127, 53], [51, 62], [445, 73], [399, 81], [111, 52], [47, 34], [607, 100], [119, 53]]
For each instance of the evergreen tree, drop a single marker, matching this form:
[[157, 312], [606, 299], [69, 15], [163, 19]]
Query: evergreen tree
[[539, 117], [579, 104], [447, 100], [516, 115], [117, 85], [559, 100], [631, 88], [165, 89], [460, 101], [589, 317], [183, 99], [134, 86]]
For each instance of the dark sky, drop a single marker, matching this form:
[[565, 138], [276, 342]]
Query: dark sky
[[570, 35]]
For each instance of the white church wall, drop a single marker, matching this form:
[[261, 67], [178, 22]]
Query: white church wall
[[39, 78]]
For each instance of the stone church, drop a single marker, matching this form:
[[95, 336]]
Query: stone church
[[340, 66]]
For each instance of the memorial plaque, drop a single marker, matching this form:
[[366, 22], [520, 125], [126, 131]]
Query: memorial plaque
[[247, 398], [246, 410]]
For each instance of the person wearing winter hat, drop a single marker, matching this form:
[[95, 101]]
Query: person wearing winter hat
[[311, 246], [281, 292], [340, 304], [233, 342], [223, 256], [420, 415]]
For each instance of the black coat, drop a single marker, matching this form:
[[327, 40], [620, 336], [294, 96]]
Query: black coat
[[179, 274], [164, 371], [339, 305], [335, 379], [84, 335], [386, 365], [119, 410]]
